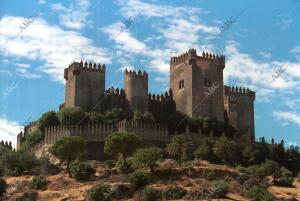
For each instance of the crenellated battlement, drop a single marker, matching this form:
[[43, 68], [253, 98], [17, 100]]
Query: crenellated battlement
[[238, 91], [6, 144], [161, 97], [206, 56], [114, 91], [134, 74], [80, 66]]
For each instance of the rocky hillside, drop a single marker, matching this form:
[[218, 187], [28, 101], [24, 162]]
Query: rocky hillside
[[193, 181]]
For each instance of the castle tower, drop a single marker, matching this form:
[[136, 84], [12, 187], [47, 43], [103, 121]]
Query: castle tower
[[197, 84], [85, 85], [239, 105], [136, 90]]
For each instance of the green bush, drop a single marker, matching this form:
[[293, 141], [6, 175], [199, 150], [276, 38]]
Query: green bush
[[298, 175], [203, 152], [257, 193], [38, 183], [173, 193], [3, 187], [150, 194], [110, 163], [210, 175], [31, 139], [72, 116], [15, 163], [221, 188], [100, 192], [138, 180], [81, 171], [124, 168], [48, 119], [47, 168], [148, 157]]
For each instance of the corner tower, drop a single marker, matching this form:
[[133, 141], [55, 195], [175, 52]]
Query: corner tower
[[136, 90], [197, 84], [85, 85], [239, 106]]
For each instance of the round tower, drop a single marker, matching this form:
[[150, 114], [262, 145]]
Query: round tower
[[136, 90]]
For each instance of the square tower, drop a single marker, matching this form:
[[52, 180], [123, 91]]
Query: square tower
[[85, 85], [197, 84]]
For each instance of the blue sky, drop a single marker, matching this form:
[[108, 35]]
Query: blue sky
[[38, 39]]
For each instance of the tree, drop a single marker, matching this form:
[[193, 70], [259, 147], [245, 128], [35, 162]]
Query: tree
[[293, 159], [271, 168], [96, 117], [178, 147], [68, 149], [223, 148], [72, 116], [114, 115], [123, 143], [148, 157], [48, 119], [148, 117], [203, 152]]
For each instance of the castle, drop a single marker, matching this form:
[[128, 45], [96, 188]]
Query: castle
[[196, 89]]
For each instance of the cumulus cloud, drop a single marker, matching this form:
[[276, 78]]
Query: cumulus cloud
[[47, 43], [75, 16], [267, 78], [287, 116], [9, 130]]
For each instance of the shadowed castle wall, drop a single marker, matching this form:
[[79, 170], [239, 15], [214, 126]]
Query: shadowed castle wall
[[239, 105], [85, 85]]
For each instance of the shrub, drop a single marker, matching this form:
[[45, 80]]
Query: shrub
[[138, 180], [38, 183], [123, 143], [203, 152], [224, 149], [298, 175], [221, 188], [110, 163], [68, 148], [72, 116], [47, 168], [48, 119], [257, 193], [81, 171], [178, 147], [210, 175], [3, 187], [148, 157], [173, 193], [124, 168], [15, 163], [122, 191], [150, 194], [96, 117], [31, 139], [100, 192]]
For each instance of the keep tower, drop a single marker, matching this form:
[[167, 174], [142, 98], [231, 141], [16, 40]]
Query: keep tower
[[136, 90], [85, 85], [192, 78]]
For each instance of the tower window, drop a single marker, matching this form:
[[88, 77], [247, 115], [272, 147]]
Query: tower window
[[207, 82], [181, 84]]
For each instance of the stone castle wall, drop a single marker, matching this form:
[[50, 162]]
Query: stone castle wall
[[239, 106], [95, 134]]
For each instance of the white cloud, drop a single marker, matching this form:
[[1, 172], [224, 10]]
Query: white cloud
[[296, 49], [56, 47], [41, 1], [75, 16], [287, 116], [9, 130], [23, 65], [244, 69], [23, 72]]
